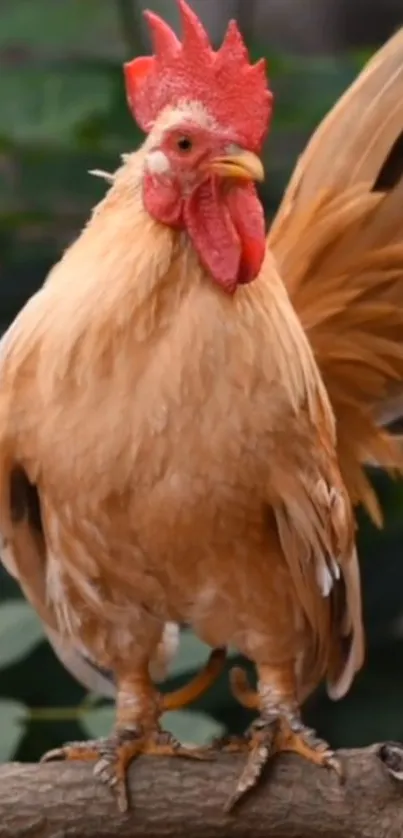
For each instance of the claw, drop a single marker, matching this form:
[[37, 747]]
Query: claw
[[258, 758], [113, 756], [51, 756], [279, 728], [261, 743], [81, 751], [303, 741], [267, 738], [336, 765]]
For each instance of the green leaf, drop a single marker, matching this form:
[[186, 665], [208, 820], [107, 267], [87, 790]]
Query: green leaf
[[11, 728], [55, 182], [41, 104], [192, 727], [99, 721], [20, 631]]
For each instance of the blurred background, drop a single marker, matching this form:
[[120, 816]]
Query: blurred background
[[63, 112]]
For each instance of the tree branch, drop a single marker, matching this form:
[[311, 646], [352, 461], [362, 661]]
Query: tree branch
[[182, 798]]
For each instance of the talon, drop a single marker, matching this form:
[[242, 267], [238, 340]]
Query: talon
[[294, 736], [82, 751], [251, 774], [52, 756], [261, 746], [269, 737], [113, 756], [336, 765]]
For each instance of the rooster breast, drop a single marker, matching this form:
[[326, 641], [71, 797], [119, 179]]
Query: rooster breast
[[155, 479]]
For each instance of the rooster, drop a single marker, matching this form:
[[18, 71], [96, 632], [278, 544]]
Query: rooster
[[168, 447]]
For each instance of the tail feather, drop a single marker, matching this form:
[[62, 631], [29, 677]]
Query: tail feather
[[353, 141], [338, 243], [344, 664]]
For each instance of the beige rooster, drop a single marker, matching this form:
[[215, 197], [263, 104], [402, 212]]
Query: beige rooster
[[168, 449]]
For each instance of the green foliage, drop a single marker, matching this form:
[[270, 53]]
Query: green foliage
[[54, 106], [11, 717], [98, 722], [63, 112], [73, 27], [20, 631]]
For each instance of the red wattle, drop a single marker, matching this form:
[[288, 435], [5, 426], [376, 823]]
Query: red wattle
[[228, 231], [209, 225], [247, 216]]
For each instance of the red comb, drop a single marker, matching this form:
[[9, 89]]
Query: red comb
[[233, 91]]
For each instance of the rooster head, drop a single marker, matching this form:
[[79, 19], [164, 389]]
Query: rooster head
[[206, 114]]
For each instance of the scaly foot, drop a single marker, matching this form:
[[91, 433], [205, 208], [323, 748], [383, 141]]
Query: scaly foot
[[267, 737], [270, 734], [113, 755]]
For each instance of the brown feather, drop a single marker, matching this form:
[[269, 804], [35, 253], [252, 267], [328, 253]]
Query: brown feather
[[182, 442], [338, 243], [183, 473]]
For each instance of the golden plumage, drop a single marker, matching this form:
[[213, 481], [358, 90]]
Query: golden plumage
[[196, 456], [338, 244]]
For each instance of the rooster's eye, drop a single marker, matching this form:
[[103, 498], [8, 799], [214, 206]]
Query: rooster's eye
[[184, 144]]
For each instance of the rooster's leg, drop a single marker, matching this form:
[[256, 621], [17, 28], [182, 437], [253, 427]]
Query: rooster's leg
[[278, 728], [137, 730]]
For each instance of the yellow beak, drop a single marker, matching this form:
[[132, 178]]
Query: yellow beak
[[243, 165]]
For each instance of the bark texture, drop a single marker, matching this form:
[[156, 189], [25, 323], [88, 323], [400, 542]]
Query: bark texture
[[184, 799]]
